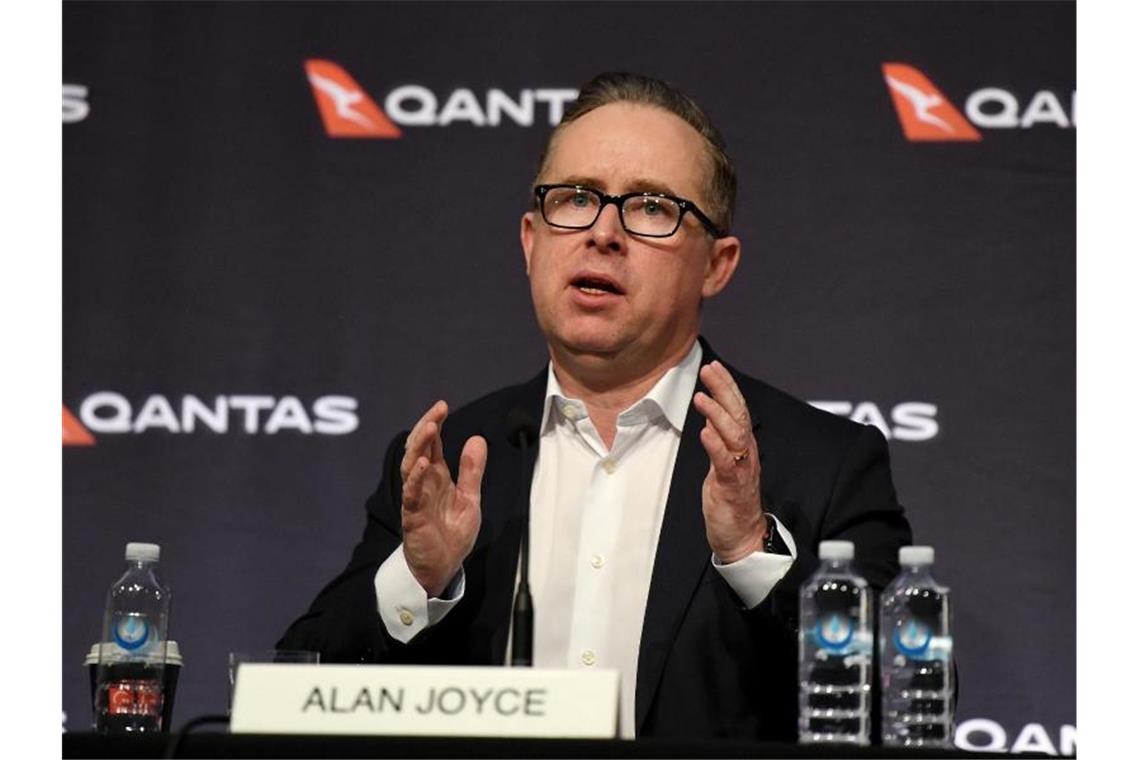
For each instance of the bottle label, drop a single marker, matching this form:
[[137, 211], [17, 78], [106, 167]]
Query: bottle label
[[834, 632], [131, 632], [912, 637]]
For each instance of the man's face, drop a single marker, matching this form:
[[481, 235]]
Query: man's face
[[603, 293]]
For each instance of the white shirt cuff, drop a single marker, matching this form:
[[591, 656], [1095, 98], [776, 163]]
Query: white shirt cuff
[[403, 604], [754, 576]]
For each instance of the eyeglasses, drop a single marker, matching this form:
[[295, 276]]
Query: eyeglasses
[[576, 207]]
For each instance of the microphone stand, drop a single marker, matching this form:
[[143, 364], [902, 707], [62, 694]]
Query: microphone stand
[[522, 615]]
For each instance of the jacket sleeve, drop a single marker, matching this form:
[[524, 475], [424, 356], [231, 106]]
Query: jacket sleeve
[[343, 623]]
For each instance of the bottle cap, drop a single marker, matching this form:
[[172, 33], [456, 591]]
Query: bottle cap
[[836, 550], [916, 555], [138, 552]]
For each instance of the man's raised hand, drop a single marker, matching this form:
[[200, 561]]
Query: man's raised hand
[[734, 517], [440, 518]]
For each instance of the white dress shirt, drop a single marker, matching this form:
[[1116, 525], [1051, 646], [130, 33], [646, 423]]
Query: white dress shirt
[[595, 516]]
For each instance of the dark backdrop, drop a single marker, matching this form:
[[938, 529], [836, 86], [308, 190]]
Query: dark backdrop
[[222, 250]]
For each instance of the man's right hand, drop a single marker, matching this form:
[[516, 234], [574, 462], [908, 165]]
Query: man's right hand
[[440, 518]]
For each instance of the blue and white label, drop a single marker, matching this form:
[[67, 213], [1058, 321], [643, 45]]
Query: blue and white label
[[912, 637], [834, 632], [131, 632]]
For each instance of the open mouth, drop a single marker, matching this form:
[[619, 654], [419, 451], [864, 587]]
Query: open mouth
[[596, 285]]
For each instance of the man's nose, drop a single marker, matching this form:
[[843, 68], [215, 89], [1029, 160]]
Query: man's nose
[[607, 234]]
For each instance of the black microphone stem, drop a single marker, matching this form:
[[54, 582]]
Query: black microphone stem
[[522, 616]]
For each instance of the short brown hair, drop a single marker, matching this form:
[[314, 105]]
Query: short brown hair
[[623, 87]]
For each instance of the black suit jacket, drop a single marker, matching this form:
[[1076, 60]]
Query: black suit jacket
[[707, 666]]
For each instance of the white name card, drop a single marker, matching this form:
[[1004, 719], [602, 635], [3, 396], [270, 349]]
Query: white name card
[[425, 701]]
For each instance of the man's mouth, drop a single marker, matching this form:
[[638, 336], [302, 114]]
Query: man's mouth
[[594, 284]]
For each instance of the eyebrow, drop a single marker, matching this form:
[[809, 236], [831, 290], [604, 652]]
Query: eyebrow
[[636, 186]]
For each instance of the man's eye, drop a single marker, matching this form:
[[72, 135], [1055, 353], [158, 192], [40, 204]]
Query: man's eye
[[581, 200], [654, 207]]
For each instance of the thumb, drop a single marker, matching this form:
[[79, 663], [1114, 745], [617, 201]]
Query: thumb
[[472, 463]]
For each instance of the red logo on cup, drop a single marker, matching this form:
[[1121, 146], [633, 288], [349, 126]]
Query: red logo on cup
[[120, 700], [134, 698]]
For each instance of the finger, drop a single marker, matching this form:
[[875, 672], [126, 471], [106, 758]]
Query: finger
[[413, 485], [410, 445], [437, 443], [728, 393], [730, 385], [472, 463], [414, 444], [730, 381], [734, 435], [435, 413], [719, 456], [419, 444], [723, 388]]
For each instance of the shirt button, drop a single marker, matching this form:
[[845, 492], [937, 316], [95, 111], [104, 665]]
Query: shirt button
[[609, 466], [406, 617], [588, 657], [597, 561]]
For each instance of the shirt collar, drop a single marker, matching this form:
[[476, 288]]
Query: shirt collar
[[669, 397]]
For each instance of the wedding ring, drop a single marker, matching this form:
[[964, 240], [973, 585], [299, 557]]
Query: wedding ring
[[740, 456]]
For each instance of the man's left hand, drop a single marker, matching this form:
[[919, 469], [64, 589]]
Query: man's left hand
[[730, 497]]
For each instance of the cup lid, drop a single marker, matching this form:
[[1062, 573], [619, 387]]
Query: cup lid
[[173, 655]]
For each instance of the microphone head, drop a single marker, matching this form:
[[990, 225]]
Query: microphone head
[[521, 427]]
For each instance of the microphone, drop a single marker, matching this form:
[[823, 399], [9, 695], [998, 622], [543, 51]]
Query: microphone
[[522, 433]]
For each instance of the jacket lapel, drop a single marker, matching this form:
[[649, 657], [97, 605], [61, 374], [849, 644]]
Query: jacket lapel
[[683, 556]]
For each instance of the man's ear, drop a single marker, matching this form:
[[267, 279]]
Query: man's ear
[[526, 237], [723, 258]]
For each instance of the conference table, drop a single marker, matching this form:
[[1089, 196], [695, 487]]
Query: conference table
[[218, 744]]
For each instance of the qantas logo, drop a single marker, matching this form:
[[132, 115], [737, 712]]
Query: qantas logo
[[924, 112], [75, 105], [926, 115], [108, 412], [74, 434], [908, 421], [345, 108], [986, 735], [348, 111]]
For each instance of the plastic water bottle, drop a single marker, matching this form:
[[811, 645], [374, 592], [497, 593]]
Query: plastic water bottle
[[836, 646], [915, 649], [129, 679]]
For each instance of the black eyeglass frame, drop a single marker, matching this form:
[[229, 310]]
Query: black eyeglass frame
[[685, 205]]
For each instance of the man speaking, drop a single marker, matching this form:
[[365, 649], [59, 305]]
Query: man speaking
[[675, 503]]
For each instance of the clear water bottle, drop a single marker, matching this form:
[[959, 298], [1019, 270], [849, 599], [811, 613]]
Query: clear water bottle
[[915, 651], [129, 679], [836, 646]]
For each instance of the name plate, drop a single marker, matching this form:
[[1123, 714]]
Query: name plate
[[425, 701]]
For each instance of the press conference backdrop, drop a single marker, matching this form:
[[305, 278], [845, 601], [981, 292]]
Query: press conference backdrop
[[288, 229]]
